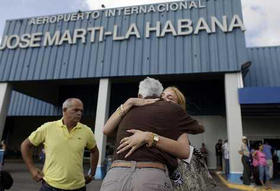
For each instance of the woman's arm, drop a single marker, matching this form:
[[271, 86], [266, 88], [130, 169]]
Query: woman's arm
[[116, 117], [178, 148]]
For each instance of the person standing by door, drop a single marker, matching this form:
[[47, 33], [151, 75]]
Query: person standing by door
[[226, 157], [245, 156], [267, 151], [219, 154]]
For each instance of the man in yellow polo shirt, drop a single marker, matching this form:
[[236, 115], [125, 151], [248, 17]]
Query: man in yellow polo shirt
[[64, 142]]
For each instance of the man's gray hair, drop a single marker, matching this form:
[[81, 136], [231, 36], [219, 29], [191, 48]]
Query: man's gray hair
[[68, 102], [150, 87]]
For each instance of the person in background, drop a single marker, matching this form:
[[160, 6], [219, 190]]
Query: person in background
[[245, 159], [3, 147], [263, 168], [226, 157], [275, 161], [109, 157], [268, 153], [219, 154], [255, 167], [42, 156], [204, 152], [64, 142]]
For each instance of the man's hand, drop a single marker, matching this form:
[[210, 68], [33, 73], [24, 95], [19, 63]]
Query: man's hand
[[37, 174], [26, 151], [132, 142], [94, 155], [89, 178]]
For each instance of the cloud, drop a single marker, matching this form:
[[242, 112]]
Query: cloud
[[96, 4], [261, 19], [14, 9]]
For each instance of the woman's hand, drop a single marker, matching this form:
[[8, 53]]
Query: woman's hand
[[139, 102], [116, 117], [133, 142]]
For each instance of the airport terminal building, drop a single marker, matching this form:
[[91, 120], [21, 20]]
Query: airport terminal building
[[100, 56]]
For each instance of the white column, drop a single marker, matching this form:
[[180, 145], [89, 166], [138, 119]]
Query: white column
[[102, 110], [233, 81], [5, 95]]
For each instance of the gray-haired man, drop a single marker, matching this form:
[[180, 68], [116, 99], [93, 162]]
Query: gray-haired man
[[147, 167], [64, 142]]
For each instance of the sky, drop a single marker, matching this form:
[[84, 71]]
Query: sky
[[261, 17]]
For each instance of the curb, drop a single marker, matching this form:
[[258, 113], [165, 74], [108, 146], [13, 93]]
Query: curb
[[241, 187]]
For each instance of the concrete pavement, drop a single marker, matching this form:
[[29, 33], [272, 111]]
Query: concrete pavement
[[23, 180]]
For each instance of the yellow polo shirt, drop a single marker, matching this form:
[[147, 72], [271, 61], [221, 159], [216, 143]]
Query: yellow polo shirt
[[64, 150]]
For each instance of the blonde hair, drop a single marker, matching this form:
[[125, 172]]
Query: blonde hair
[[180, 96]]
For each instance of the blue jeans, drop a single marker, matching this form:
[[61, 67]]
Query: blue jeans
[[264, 170], [46, 187], [227, 167], [2, 157]]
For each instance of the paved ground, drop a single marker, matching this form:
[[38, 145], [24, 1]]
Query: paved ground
[[220, 185], [24, 182]]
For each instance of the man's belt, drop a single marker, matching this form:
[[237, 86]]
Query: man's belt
[[128, 164]]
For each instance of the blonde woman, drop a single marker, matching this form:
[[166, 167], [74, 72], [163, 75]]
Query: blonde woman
[[193, 175]]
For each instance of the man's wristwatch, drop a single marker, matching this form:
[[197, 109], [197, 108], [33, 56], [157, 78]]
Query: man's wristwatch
[[155, 139]]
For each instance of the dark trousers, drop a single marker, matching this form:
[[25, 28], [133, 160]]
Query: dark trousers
[[227, 167], [46, 187], [246, 170], [219, 162]]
